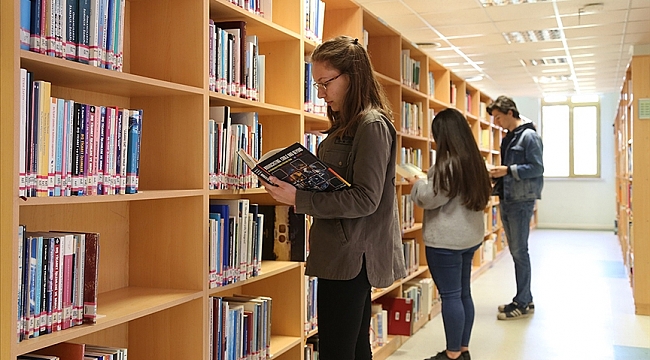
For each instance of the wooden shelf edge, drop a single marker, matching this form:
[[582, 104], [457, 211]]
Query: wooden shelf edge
[[384, 351], [269, 268], [114, 308], [141, 195], [413, 228], [261, 108], [104, 77], [281, 344]]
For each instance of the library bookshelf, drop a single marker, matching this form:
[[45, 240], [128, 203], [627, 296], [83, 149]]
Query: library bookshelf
[[632, 182], [153, 289]]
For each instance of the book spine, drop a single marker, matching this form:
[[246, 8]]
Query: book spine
[[68, 261], [91, 185], [83, 31], [25, 23], [52, 139], [20, 273], [91, 267], [43, 138], [72, 14], [35, 26], [60, 138], [132, 153], [93, 33]]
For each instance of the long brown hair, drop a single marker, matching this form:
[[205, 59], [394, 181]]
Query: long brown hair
[[459, 169], [364, 93]]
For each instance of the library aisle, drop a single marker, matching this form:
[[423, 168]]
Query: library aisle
[[584, 306]]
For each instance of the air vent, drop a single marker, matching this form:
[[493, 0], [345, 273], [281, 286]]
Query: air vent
[[532, 36], [556, 60]]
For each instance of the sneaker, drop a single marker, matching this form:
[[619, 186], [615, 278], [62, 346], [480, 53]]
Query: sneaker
[[513, 311], [513, 305], [443, 356]]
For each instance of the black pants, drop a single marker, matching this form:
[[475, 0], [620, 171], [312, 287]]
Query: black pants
[[344, 318]]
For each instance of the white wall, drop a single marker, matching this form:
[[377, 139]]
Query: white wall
[[580, 203]]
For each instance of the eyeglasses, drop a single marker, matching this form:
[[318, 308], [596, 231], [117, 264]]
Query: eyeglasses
[[323, 85]]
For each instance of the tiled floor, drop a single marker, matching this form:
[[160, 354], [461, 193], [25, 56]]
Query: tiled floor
[[584, 307]]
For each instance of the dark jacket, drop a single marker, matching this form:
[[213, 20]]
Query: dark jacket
[[360, 220], [522, 152]]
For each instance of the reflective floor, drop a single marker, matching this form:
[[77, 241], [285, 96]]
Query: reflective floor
[[583, 306]]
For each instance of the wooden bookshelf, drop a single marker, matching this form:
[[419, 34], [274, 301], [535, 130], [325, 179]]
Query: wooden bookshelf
[[633, 182], [153, 272]]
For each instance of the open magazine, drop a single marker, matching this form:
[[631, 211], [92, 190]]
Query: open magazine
[[297, 166]]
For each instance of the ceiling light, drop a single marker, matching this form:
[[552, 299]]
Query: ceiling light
[[551, 79], [475, 78], [532, 36], [428, 45], [487, 3]]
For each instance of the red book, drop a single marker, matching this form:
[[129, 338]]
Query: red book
[[91, 269], [400, 312], [65, 351]]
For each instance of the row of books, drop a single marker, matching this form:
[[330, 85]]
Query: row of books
[[242, 234], [314, 19], [227, 133], [484, 138], [240, 327], [86, 31], [235, 66], [412, 156], [263, 8], [412, 119], [72, 351], [416, 302], [410, 70], [407, 209], [378, 326], [57, 281], [70, 148], [313, 140], [311, 315], [411, 255], [432, 85], [311, 348], [313, 104]]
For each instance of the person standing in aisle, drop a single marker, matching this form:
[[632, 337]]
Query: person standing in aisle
[[355, 239], [519, 182], [454, 198]]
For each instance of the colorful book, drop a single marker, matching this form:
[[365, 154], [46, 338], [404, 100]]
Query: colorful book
[[297, 166]]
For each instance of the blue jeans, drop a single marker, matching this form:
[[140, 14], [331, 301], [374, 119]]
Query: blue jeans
[[516, 222], [451, 271]]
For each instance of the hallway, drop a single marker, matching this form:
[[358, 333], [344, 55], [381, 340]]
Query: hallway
[[584, 307]]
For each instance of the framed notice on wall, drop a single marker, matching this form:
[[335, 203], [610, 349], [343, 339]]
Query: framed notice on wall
[[644, 109]]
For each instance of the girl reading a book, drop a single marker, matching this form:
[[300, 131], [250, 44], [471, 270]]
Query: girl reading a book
[[454, 197], [355, 239]]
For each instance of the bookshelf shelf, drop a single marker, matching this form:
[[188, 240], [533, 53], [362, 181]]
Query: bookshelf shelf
[[281, 344], [269, 268], [117, 307], [414, 228], [244, 105], [79, 76], [141, 195]]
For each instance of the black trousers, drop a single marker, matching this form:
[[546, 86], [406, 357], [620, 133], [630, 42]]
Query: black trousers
[[344, 309]]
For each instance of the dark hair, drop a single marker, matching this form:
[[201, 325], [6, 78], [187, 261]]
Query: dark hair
[[503, 104], [364, 94], [459, 169]]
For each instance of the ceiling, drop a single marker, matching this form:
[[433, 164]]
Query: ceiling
[[589, 55]]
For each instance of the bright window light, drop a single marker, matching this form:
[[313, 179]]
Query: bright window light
[[555, 98], [584, 98], [555, 133]]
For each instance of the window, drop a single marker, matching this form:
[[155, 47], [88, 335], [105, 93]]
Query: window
[[571, 136]]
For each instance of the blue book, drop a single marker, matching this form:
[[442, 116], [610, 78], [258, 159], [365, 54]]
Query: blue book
[[224, 211], [110, 34], [25, 23], [35, 28], [132, 153], [72, 29], [21, 278], [83, 31]]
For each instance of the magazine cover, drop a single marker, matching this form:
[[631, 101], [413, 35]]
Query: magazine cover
[[297, 166]]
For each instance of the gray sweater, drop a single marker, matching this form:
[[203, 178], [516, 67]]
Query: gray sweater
[[447, 224]]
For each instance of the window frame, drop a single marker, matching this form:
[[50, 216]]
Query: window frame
[[571, 104]]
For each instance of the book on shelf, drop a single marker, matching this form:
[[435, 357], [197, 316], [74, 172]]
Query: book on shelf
[[297, 166], [400, 311], [409, 170]]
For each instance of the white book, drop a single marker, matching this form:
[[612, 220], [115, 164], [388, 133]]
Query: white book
[[22, 150], [125, 142], [95, 51], [51, 163]]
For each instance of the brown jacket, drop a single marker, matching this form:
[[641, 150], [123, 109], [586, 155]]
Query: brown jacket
[[362, 219]]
